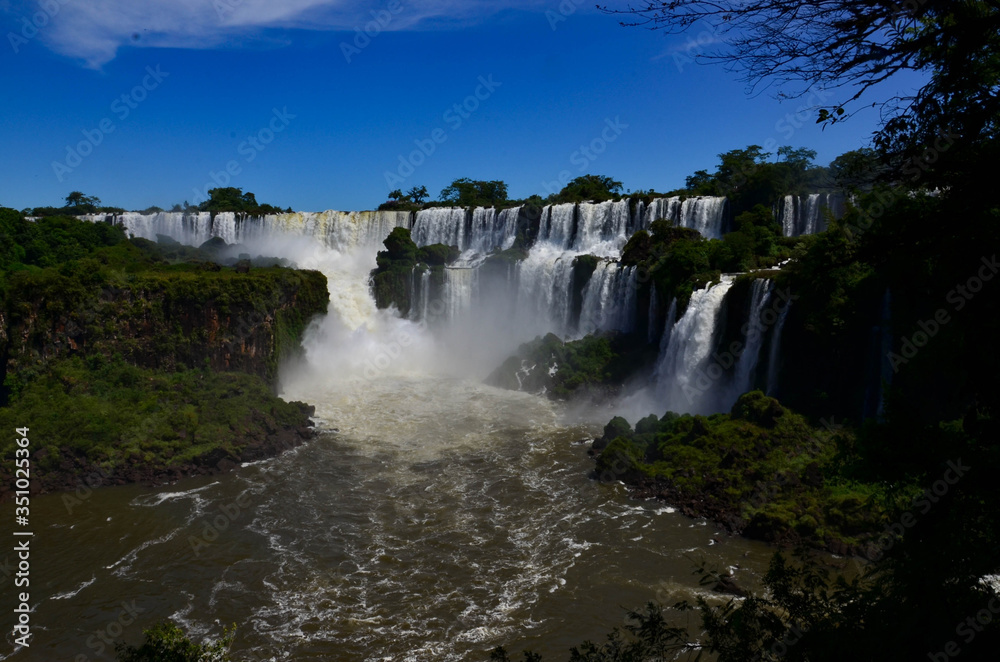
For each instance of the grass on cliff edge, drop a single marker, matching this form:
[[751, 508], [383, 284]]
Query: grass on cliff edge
[[114, 415]]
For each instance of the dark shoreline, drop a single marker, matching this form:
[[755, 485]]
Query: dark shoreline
[[643, 488], [74, 472]]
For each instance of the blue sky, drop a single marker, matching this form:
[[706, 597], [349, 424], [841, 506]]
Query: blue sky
[[146, 103]]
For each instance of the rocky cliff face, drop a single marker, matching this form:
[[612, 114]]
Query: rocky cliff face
[[227, 321]]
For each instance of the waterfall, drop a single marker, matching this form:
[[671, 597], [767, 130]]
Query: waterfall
[[459, 291], [440, 225], [505, 231], [192, 229], [704, 214], [665, 208], [336, 229], [556, 225], [491, 230], [420, 295], [685, 378], [756, 328], [775, 351], [807, 214], [586, 228], [668, 328], [602, 228], [654, 312], [543, 281], [609, 299]]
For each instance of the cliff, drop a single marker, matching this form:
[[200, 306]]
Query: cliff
[[164, 317], [133, 361]]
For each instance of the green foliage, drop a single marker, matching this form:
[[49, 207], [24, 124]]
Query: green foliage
[[399, 246], [589, 188], [107, 413], [587, 362], [680, 260], [761, 464], [51, 240], [165, 642], [465, 192], [235, 200], [412, 200], [748, 179], [437, 255], [76, 204]]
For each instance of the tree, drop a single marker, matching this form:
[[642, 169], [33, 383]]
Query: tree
[[846, 47], [589, 188], [166, 642], [235, 200], [465, 192], [856, 170], [417, 194], [396, 194], [82, 204]]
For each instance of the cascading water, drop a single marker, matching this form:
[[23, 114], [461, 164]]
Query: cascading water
[[666, 208], [668, 327], [440, 225], [746, 366], [775, 351], [343, 231], [459, 291], [543, 282], [609, 299], [704, 214], [557, 225], [807, 214], [603, 228], [652, 315], [685, 378]]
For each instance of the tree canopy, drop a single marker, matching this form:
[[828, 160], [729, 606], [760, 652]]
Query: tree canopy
[[589, 188], [235, 200], [465, 192]]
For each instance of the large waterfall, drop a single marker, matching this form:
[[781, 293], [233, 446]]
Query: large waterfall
[[496, 305]]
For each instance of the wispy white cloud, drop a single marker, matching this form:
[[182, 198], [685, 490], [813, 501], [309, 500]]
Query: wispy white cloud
[[93, 30]]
